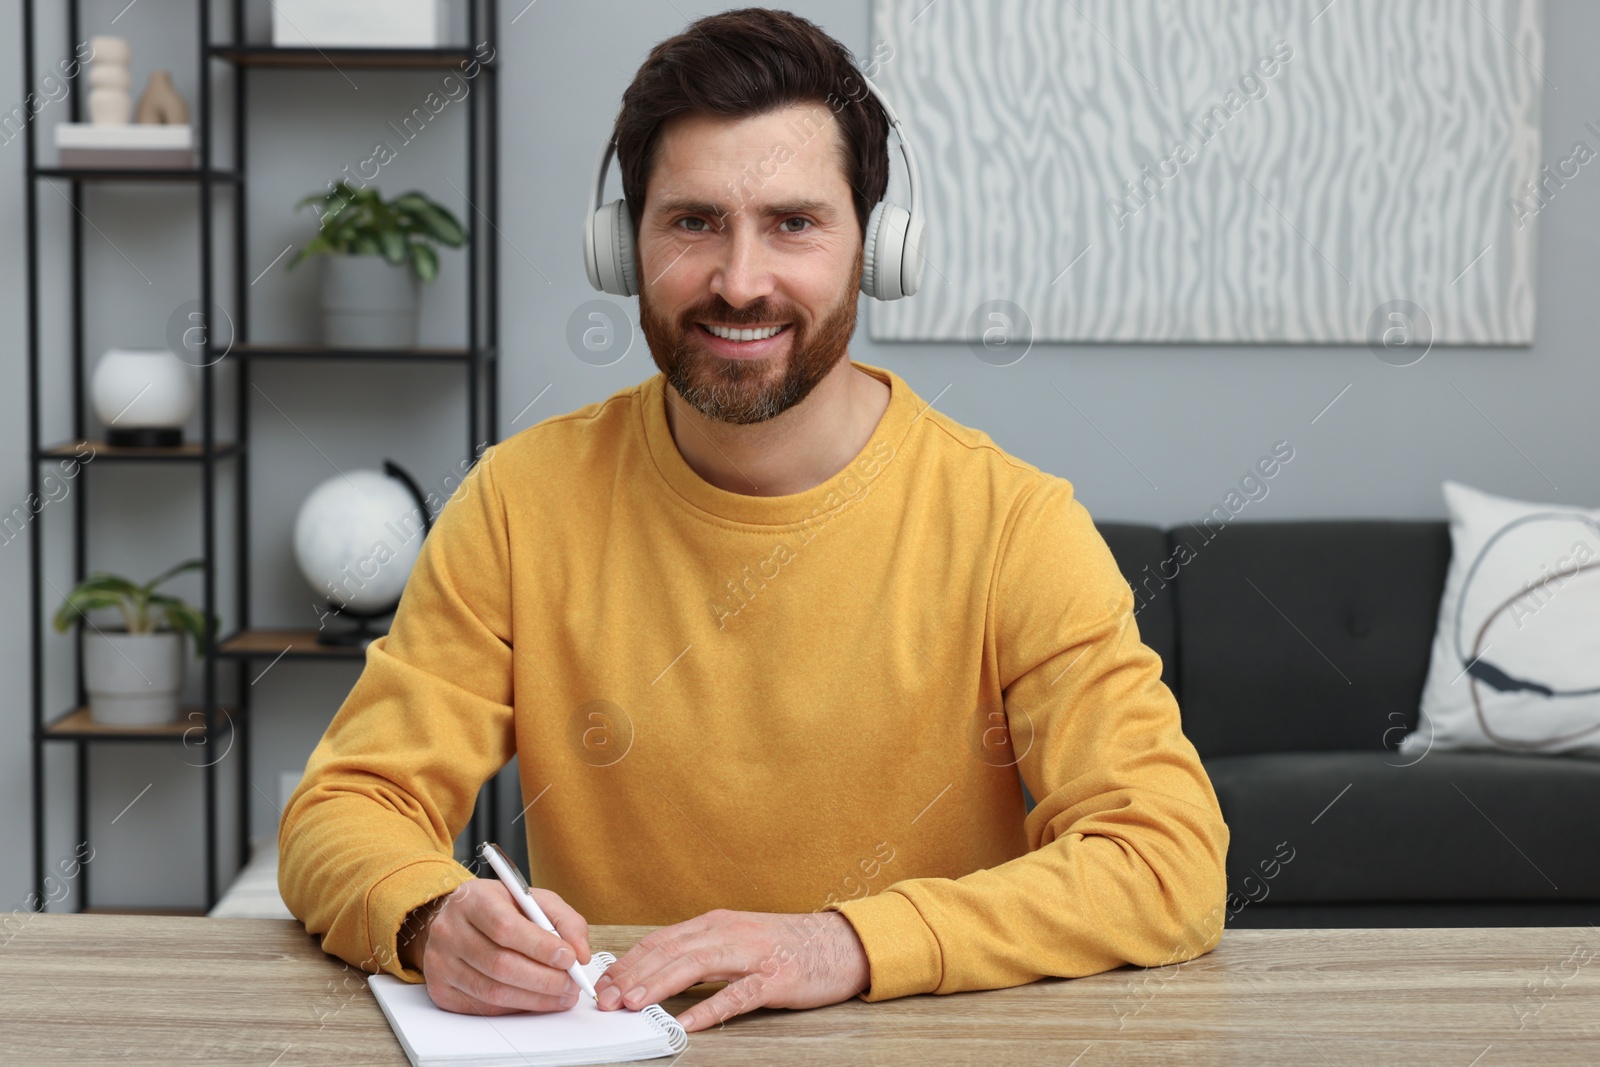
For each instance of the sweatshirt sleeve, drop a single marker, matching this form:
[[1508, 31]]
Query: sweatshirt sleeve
[[369, 833], [1127, 842]]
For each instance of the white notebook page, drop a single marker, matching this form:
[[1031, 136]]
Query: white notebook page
[[435, 1034]]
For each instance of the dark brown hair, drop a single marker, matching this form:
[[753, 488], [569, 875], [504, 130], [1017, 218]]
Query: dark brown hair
[[749, 62]]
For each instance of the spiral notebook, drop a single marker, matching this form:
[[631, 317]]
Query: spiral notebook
[[433, 1037]]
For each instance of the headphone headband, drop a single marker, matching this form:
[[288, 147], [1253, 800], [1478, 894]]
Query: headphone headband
[[905, 153]]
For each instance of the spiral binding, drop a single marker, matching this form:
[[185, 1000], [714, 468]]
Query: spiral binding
[[677, 1037]]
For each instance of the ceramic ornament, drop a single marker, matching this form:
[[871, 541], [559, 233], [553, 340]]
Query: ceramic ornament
[[109, 102], [161, 102]]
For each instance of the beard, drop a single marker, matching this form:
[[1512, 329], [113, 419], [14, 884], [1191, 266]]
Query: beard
[[748, 391]]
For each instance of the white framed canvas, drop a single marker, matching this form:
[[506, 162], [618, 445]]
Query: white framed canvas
[[1220, 170]]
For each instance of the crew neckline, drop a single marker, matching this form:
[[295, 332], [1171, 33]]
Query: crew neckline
[[715, 503]]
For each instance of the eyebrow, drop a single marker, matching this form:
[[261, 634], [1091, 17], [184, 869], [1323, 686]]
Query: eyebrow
[[691, 206]]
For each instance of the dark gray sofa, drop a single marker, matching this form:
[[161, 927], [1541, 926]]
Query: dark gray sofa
[[1297, 652]]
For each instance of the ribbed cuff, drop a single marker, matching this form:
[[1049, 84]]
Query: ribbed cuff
[[903, 956], [396, 895]]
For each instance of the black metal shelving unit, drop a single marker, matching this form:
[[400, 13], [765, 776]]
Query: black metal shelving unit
[[479, 359]]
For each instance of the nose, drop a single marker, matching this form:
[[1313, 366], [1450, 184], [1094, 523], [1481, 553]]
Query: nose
[[744, 271]]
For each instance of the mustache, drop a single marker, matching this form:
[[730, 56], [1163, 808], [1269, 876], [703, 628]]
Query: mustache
[[755, 315]]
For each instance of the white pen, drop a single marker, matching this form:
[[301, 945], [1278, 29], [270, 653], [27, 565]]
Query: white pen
[[496, 857]]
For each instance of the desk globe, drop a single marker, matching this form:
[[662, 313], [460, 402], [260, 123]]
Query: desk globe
[[356, 538]]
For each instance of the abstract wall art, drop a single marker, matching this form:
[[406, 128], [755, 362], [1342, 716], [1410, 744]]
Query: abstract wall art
[[1227, 171]]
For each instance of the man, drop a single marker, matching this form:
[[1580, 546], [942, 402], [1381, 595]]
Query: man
[[770, 637]]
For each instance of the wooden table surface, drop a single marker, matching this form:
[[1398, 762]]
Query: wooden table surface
[[128, 990]]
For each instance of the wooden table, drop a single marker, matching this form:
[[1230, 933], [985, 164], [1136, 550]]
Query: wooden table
[[111, 989]]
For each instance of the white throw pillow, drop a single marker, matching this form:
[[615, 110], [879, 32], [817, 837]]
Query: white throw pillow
[[1528, 626]]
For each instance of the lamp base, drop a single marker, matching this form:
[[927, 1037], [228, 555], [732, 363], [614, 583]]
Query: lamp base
[[145, 437]]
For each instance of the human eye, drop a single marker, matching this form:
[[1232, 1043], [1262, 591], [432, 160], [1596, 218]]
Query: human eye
[[797, 218], [691, 218]]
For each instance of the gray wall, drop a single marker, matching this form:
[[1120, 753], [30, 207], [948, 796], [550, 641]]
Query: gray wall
[[1158, 433]]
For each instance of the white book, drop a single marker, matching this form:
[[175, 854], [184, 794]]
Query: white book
[[359, 23], [127, 144], [432, 1036], [124, 135]]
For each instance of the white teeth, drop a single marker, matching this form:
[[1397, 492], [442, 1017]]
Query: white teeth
[[743, 335]]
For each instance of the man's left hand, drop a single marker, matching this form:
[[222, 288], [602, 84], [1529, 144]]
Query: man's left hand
[[768, 960]]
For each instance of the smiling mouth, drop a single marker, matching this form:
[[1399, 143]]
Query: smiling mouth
[[744, 333]]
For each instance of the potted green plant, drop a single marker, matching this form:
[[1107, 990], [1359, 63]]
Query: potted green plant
[[376, 253], [134, 673]]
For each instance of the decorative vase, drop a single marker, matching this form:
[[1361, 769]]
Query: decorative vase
[[161, 103], [368, 302], [109, 102], [143, 396], [133, 679]]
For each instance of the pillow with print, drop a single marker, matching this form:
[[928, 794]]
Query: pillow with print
[[1515, 665]]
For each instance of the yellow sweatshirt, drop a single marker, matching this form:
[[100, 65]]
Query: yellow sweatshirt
[[774, 703]]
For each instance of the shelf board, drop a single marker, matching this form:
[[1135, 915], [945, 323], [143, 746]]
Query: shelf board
[[289, 643], [76, 725], [134, 174], [333, 56], [112, 909], [268, 350], [191, 452]]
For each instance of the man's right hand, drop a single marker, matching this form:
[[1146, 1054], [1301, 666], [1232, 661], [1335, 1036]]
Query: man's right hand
[[481, 955]]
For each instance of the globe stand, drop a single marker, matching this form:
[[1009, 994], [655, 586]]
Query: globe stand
[[358, 636]]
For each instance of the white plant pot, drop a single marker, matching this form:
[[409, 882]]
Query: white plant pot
[[133, 679], [367, 302]]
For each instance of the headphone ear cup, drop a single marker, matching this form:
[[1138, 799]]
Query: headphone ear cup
[[888, 250], [625, 249], [911, 267], [869, 253], [614, 250]]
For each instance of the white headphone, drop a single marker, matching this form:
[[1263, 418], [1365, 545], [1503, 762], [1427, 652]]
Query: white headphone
[[891, 255]]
